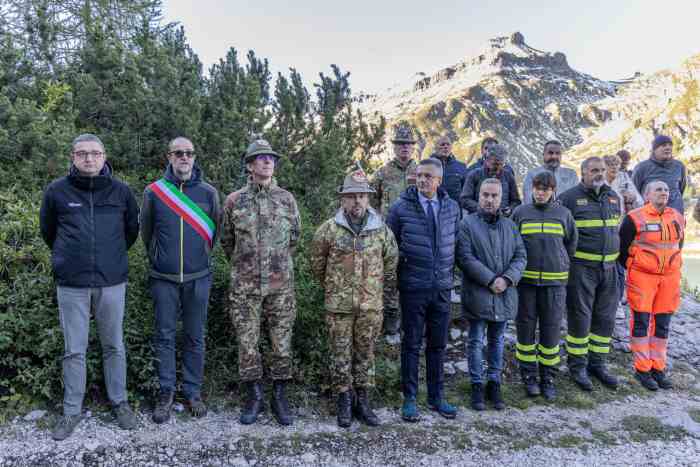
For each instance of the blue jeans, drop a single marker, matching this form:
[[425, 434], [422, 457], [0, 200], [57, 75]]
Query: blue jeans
[[424, 313], [171, 301], [494, 353]]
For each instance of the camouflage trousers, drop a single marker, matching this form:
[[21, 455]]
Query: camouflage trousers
[[351, 339], [392, 312], [274, 312]]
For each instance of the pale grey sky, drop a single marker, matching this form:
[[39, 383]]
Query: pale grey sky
[[384, 42]]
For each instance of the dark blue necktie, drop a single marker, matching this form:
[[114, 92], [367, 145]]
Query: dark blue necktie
[[431, 225]]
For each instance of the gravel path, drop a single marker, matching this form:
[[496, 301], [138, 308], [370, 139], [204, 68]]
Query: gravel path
[[635, 428]]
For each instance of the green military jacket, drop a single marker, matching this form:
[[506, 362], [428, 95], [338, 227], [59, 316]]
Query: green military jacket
[[354, 269], [260, 232], [389, 182]]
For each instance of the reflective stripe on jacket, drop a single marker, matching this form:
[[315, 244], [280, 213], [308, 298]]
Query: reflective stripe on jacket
[[656, 248]]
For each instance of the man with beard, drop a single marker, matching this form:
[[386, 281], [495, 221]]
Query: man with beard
[[494, 167], [662, 166], [591, 293], [551, 156], [179, 227], [487, 143]]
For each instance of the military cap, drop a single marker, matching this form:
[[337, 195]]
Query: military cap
[[257, 147], [355, 182], [403, 134]]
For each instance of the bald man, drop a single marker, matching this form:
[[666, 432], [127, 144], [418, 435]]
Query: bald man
[[179, 227]]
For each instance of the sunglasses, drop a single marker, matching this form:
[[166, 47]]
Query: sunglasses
[[187, 153]]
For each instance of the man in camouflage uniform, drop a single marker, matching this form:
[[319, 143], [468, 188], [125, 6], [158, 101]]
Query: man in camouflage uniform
[[261, 230], [388, 183], [354, 256]]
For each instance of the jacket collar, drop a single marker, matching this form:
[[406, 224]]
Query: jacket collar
[[256, 188], [374, 221], [196, 177], [96, 183], [411, 194], [398, 165]]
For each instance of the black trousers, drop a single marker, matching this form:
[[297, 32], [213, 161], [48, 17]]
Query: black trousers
[[591, 299], [430, 312], [543, 305]]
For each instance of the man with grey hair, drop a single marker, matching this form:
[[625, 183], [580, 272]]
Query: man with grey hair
[[89, 220], [592, 294], [179, 227], [424, 221], [492, 257], [551, 162], [494, 167]]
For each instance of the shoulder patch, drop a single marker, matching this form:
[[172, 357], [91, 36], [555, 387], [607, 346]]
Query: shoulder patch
[[581, 202]]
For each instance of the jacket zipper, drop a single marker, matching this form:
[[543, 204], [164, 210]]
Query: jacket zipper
[[94, 234], [182, 245]]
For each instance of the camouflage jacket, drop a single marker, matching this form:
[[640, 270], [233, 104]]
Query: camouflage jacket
[[260, 231], [354, 269], [389, 182]]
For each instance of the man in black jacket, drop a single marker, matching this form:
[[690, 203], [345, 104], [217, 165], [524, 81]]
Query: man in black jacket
[[90, 220], [550, 237], [424, 221], [494, 167], [179, 227], [591, 294]]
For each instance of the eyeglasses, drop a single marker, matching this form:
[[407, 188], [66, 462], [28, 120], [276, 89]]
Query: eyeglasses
[[84, 154], [265, 157], [187, 153]]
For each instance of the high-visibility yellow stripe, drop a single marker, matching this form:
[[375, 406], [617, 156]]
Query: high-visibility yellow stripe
[[594, 257], [548, 350], [525, 347], [549, 361], [525, 358], [577, 350], [600, 339], [596, 349], [545, 275], [585, 223], [577, 340], [552, 224], [541, 227]]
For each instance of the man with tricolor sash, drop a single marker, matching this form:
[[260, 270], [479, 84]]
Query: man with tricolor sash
[[591, 294], [179, 227], [261, 230], [550, 236]]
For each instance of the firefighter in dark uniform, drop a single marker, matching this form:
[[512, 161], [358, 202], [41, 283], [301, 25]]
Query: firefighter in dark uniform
[[550, 237], [591, 294]]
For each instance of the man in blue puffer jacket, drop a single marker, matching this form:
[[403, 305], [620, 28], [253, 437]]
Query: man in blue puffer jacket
[[424, 221], [179, 227]]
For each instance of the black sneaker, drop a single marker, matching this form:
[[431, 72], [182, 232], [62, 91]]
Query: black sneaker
[[126, 418], [477, 397], [161, 413], [64, 426], [662, 379], [647, 380]]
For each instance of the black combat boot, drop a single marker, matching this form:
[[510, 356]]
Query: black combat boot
[[600, 372], [493, 394], [580, 376], [344, 409], [477, 397], [254, 404], [547, 383], [662, 379], [530, 383], [279, 404], [647, 380], [161, 412], [363, 410]]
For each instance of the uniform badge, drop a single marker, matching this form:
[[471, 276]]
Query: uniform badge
[[652, 227], [581, 202]]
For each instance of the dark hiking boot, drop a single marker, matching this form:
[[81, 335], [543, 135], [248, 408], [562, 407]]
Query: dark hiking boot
[[197, 407], [493, 394], [580, 377], [662, 379], [547, 388], [126, 419], [601, 373], [532, 389], [409, 411], [646, 379], [254, 404], [344, 409], [64, 426], [363, 409], [477, 397], [279, 404], [161, 413]]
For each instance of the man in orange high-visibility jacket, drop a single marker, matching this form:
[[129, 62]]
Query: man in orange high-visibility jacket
[[651, 238]]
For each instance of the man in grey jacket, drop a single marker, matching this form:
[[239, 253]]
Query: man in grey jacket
[[662, 166], [492, 257], [551, 157]]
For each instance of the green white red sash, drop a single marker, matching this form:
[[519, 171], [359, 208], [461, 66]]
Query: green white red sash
[[184, 207]]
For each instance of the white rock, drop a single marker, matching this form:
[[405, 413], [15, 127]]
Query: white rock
[[308, 458], [462, 366], [455, 334], [34, 415], [449, 369], [178, 407], [91, 444]]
